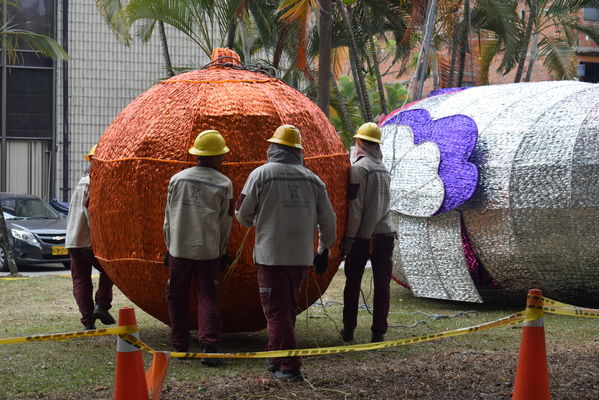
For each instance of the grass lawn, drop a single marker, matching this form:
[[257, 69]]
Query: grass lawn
[[480, 365]]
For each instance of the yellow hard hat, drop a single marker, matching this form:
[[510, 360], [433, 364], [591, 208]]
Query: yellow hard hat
[[288, 135], [89, 155], [369, 131], [209, 143]]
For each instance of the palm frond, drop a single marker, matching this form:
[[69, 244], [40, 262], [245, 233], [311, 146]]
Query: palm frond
[[112, 12], [500, 17], [489, 49], [12, 41], [144, 29], [339, 56], [591, 31], [188, 16], [559, 57]]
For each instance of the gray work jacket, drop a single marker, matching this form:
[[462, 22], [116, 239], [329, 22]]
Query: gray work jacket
[[197, 219], [287, 203], [78, 235], [369, 199]]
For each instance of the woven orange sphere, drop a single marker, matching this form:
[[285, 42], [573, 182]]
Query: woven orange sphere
[[147, 143]]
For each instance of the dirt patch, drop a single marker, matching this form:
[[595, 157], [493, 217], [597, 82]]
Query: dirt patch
[[448, 375]]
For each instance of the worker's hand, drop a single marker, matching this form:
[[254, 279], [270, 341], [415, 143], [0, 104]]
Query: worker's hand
[[346, 245], [225, 261], [321, 262], [166, 257]]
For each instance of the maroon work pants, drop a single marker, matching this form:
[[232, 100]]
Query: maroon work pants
[[380, 251], [279, 291], [82, 261], [207, 275]]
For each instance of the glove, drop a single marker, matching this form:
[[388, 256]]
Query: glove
[[346, 245], [321, 262], [225, 261], [166, 257]]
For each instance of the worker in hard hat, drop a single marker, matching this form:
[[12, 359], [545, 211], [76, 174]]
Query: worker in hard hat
[[78, 242], [369, 233], [197, 224], [287, 203]]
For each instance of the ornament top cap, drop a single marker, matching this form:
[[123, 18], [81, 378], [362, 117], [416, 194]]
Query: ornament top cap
[[224, 55]]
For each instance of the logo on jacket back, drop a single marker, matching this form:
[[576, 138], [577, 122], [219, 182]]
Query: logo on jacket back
[[293, 192], [294, 200]]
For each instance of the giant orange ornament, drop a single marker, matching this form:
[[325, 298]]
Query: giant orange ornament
[[147, 143]]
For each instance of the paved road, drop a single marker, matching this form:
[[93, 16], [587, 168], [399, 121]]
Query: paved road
[[42, 269]]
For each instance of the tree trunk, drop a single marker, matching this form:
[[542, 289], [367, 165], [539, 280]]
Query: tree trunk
[[5, 243], [375, 63], [356, 65], [423, 60], [231, 34], [324, 55], [245, 44], [526, 40], [454, 56], [435, 71], [464, 42], [342, 107], [165, 54], [533, 56]]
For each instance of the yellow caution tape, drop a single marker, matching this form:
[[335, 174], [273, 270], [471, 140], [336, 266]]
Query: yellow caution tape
[[556, 307], [534, 308], [119, 330], [14, 279], [512, 319]]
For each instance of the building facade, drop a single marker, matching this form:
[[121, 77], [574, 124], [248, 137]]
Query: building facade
[[53, 112]]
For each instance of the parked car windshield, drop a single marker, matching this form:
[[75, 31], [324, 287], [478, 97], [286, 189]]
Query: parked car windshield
[[27, 208]]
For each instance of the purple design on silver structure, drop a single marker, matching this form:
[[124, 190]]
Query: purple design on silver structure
[[456, 137], [438, 92]]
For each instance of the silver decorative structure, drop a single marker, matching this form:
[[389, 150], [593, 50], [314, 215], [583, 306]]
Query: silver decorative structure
[[534, 218]]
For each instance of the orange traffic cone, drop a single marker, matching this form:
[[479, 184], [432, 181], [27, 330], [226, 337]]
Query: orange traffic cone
[[532, 377], [130, 379]]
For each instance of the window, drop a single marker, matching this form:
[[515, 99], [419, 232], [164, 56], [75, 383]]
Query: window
[[29, 104], [34, 16], [591, 14]]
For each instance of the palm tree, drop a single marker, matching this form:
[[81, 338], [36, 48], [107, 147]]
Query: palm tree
[[114, 16], [497, 25], [532, 15], [555, 35]]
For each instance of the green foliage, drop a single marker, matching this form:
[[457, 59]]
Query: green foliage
[[13, 39], [395, 94]]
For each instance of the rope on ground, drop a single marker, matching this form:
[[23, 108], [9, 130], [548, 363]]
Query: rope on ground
[[237, 257]]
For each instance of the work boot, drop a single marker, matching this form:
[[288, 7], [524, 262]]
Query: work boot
[[210, 362], [347, 335], [292, 375], [90, 326], [377, 337], [271, 366], [103, 315]]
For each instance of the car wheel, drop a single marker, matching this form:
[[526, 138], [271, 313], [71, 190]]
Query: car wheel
[[3, 263], [66, 264]]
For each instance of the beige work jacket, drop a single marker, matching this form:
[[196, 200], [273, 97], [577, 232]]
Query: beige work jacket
[[197, 219], [369, 199]]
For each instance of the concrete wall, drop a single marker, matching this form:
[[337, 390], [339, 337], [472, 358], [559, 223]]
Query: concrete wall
[[104, 77]]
